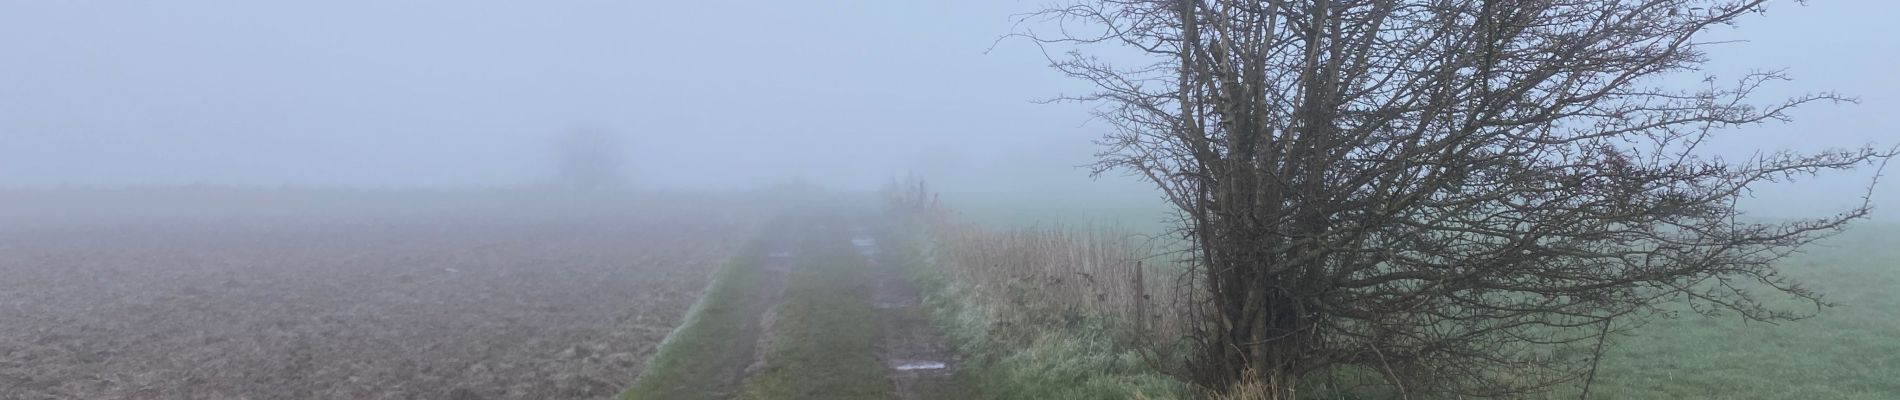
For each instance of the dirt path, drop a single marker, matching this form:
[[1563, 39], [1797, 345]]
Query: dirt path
[[829, 327], [918, 359]]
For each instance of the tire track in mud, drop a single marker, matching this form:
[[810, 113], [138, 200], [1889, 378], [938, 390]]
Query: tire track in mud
[[754, 341], [778, 271], [918, 359]]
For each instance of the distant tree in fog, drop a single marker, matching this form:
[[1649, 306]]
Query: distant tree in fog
[[591, 160]]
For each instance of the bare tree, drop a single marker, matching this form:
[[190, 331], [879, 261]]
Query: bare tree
[[590, 160], [1459, 196]]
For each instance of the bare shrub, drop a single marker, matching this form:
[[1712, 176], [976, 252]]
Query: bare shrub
[[1462, 196]]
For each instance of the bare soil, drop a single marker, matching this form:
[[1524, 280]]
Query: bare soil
[[456, 307]]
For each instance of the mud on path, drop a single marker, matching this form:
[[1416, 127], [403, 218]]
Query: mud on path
[[920, 362]]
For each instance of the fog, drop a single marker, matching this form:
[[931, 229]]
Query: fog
[[704, 95], [635, 199]]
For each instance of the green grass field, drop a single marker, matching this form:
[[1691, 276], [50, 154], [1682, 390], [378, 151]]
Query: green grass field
[[1851, 351]]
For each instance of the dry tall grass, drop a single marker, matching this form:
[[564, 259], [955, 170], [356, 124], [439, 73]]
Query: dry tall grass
[[1065, 271], [1075, 271]]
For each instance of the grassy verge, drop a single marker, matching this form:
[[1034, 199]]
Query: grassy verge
[[695, 358], [824, 341], [1008, 356]]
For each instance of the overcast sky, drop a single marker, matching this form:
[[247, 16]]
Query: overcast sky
[[707, 93]]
